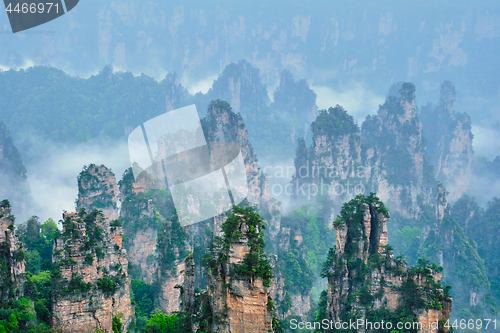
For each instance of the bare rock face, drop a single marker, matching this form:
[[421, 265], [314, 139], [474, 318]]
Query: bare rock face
[[97, 189], [393, 150], [385, 157], [187, 288], [93, 285], [13, 176], [450, 142], [363, 266], [12, 264], [141, 242], [223, 125], [239, 302], [172, 248], [334, 167], [295, 99], [240, 85]]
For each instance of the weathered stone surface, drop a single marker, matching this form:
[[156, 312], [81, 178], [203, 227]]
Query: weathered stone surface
[[238, 305], [74, 308], [450, 142], [94, 285], [187, 289], [97, 189], [366, 243], [170, 292], [396, 131], [142, 253], [12, 264]]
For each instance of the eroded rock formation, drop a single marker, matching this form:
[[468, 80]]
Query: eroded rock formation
[[13, 176], [12, 264], [93, 285], [394, 150], [449, 142], [240, 85], [239, 277], [97, 189], [365, 280]]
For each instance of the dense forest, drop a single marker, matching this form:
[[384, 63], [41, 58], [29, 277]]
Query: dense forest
[[124, 241]]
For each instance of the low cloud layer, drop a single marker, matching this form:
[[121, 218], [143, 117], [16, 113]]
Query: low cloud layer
[[356, 99], [194, 87], [53, 178]]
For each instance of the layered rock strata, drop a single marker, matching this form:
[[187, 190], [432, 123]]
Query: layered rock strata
[[449, 142], [12, 264], [238, 303], [97, 189], [365, 279], [93, 285]]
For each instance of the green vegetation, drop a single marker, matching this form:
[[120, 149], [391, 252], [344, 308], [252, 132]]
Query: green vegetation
[[393, 140], [333, 123], [255, 263], [300, 264], [53, 105], [171, 244], [117, 324], [161, 323], [349, 266], [142, 296], [109, 284], [38, 239], [19, 316]]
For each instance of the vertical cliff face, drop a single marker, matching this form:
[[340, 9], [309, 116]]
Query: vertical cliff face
[[93, 285], [333, 166], [97, 189], [141, 232], [12, 264], [450, 242], [13, 178], [239, 276], [172, 250], [366, 282], [295, 100], [240, 85], [450, 142], [393, 149], [223, 125], [155, 241]]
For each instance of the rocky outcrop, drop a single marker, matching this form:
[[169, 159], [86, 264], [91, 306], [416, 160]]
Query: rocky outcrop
[[97, 189], [223, 125], [13, 176], [12, 264], [295, 100], [449, 138], [446, 242], [393, 149], [332, 168], [172, 248], [240, 85], [364, 278], [137, 213], [93, 286], [239, 277], [187, 288], [386, 157]]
